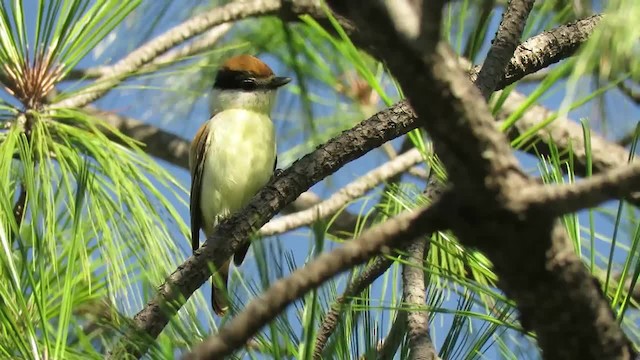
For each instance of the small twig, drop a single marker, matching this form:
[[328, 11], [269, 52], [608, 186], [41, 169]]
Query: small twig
[[503, 45]]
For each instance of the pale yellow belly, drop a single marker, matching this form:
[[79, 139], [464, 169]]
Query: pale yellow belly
[[242, 152]]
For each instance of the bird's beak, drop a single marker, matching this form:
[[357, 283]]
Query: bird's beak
[[278, 81]]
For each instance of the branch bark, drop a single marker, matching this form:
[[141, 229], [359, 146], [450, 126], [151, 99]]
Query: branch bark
[[503, 45]]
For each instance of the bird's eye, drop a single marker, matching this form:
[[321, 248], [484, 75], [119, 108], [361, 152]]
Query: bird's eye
[[249, 84]]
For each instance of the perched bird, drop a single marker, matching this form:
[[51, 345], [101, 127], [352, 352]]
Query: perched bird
[[233, 154]]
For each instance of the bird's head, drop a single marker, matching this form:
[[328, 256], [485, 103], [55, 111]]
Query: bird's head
[[245, 82]]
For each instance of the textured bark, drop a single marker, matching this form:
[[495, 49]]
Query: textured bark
[[558, 43], [503, 45]]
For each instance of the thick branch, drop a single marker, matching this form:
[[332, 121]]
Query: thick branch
[[263, 309], [503, 45], [189, 276]]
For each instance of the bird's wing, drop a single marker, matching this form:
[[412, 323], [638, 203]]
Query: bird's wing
[[197, 155]]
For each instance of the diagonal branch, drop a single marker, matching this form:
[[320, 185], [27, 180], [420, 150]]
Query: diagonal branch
[[188, 29], [205, 43], [263, 309], [328, 158], [503, 45], [340, 199]]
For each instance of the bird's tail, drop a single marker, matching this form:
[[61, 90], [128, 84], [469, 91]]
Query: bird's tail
[[219, 300]]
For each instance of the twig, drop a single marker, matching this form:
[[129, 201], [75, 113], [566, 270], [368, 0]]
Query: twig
[[338, 200], [503, 45], [261, 310], [204, 43]]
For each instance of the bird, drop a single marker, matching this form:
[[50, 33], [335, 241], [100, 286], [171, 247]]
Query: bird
[[233, 154]]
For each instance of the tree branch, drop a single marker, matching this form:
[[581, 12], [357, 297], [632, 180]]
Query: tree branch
[[586, 193], [188, 29], [565, 134], [263, 309], [204, 43], [188, 277], [548, 48], [340, 199], [503, 45], [414, 296]]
